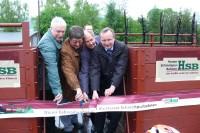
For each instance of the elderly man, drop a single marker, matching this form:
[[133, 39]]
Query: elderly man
[[49, 47], [86, 55], [108, 65], [89, 28]]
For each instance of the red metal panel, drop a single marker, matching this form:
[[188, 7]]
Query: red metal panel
[[28, 74], [28, 90], [141, 79], [26, 57], [19, 125], [186, 119]]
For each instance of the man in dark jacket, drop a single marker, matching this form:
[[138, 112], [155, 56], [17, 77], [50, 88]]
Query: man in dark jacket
[[108, 65], [86, 55]]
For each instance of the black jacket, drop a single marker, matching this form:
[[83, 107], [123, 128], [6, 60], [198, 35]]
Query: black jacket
[[106, 70]]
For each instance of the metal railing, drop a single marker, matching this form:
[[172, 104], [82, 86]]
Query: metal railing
[[150, 38]]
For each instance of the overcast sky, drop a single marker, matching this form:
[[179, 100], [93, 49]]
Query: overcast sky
[[135, 8]]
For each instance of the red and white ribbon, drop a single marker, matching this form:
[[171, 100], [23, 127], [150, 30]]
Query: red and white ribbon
[[129, 103]]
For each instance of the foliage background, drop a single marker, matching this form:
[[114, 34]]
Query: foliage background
[[85, 13]]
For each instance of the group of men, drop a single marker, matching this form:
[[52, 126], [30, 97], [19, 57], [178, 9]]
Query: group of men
[[83, 67]]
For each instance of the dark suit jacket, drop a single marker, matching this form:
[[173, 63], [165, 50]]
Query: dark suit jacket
[[106, 70], [86, 55]]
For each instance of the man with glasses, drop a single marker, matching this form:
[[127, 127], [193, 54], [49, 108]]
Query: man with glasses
[[49, 47]]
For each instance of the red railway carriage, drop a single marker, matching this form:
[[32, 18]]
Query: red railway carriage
[[166, 68]]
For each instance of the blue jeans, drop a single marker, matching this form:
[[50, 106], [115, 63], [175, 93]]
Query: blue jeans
[[69, 122]]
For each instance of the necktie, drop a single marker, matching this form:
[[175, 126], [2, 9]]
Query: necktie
[[109, 51]]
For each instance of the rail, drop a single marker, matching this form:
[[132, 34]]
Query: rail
[[152, 41]]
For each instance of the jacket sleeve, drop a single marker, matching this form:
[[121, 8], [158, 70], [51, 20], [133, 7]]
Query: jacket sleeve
[[120, 67], [51, 64], [84, 72], [95, 71], [69, 70]]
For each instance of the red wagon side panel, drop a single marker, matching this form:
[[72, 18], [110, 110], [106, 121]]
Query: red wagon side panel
[[21, 56], [141, 79]]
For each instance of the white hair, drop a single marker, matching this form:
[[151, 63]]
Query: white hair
[[58, 21]]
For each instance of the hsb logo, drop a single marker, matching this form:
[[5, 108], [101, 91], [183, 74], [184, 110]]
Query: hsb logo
[[8, 70], [187, 66]]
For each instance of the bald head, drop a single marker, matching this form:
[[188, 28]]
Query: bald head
[[89, 39], [89, 28]]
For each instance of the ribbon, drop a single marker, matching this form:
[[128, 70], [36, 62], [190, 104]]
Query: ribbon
[[129, 103]]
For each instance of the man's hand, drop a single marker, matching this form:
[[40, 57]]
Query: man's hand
[[95, 95], [110, 90], [58, 98], [85, 96], [79, 95]]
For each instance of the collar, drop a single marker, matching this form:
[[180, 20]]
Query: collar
[[109, 48]]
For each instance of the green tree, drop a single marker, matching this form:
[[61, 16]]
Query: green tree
[[186, 25], [55, 3], [12, 12], [85, 13], [153, 18], [52, 10], [114, 17], [198, 33], [170, 20]]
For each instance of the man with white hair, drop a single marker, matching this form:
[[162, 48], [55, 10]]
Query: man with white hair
[[49, 47]]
